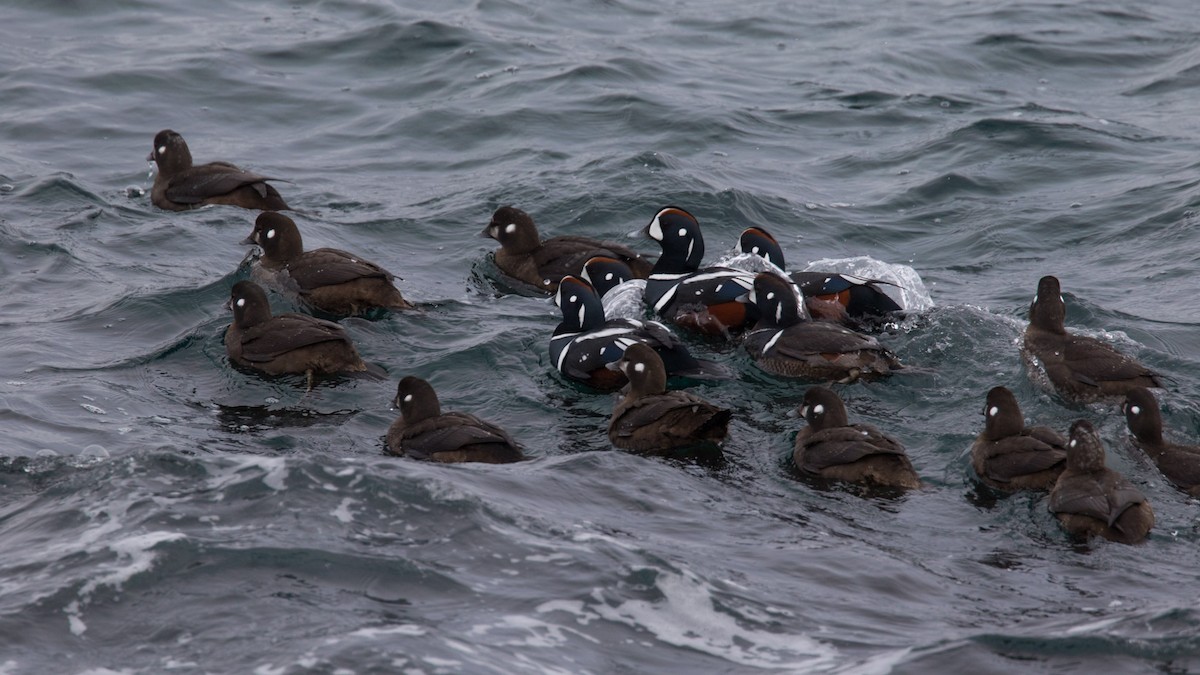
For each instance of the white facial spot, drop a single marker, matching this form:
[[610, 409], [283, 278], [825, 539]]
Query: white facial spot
[[655, 230], [271, 233], [1135, 410], [510, 228], [865, 433], [778, 313], [162, 150], [241, 302], [992, 411], [699, 292], [1073, 443], [574, 298], [1060, 299], [683, 231], [408, 398], [754, 250], [608, 277], [818, 409], [1035, 297], [545, 282], [771, 295], [639, 367]]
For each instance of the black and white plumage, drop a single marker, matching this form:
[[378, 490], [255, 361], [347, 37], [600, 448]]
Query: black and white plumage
[[654, 420], [680, 291], [828, 295], [784, 343], [584, 343], [833, 449], [423, 431], [1178, 462], [1089, 499], [180, 185], [1081, 369], [1007, 455]]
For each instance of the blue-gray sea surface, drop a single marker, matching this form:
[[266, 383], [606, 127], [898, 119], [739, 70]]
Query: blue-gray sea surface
[[161, 511]]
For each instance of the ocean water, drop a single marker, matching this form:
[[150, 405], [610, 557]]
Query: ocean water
[[161, 511]]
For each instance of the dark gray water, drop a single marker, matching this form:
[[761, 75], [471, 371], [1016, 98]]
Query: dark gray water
[[161, 511]]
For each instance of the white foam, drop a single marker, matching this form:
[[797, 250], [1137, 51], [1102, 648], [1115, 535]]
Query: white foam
[[914, 296], [343, 512], [412, 630]]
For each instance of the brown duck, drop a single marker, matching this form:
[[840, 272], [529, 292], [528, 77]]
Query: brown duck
[[423, 431], [1090, 499], [1081, 369], [833, 449], [326, 279], [285, 343], [524, 256], [1007, 455], [180, 185], [652, 420], [1179, 463]]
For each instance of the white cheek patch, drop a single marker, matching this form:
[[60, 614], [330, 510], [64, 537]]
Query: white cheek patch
[[639, 367], [1073, 443], [754, 250], [992, 411], [162, 150], [510, 228], [1060, 299], [804, 411], [241, 302], [271, 233], [818, 409], [1135, 410], [408, 398], [655, 229], [771, 295], [574, 298], [608, 277]]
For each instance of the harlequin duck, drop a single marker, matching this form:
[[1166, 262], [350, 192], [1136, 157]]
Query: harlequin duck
[[1081, 369], [1091, 499], [285, 343], [540, 264], [857, 297], [326, 279], [678, 289], [584, 342], [1179, 463], [605, 274], [833, 449], [180, 186], [784, 343], [423, 431], [653, 420], [1007, 455]]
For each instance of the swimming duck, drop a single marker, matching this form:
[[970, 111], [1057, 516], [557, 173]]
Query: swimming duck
[[1007, 455], [833, 449], [423, 431], [1091, 499], [179, 185], [1179, 463]]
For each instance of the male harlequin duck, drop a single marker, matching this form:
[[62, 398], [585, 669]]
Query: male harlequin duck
[[326, 279], [1081, 369], [540, 264], [1179, 463], [1091, 499], [180, 186], [1007, 455], [852, 296], [285, 343], [605, 274], [423, 431], [705, 300], [784, 343], [584, 342], [653, 420], [833, 449]]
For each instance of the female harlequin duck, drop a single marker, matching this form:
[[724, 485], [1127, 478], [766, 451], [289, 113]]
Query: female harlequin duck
[[784, 343], [1007, 455], [285, 343], [833, 449], [423, 431], [705, 299], [1179, 463], [1081, 369], [325, 279], [651, 419], [584, 343], [852, 297], [180, 186], [540, 264], [1091, 499]]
